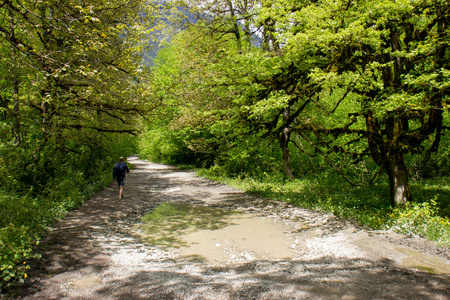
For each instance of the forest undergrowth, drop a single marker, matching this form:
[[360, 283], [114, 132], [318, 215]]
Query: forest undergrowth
[[24, 220], [38, 190]]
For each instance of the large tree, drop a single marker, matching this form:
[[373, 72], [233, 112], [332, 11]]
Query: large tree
[[360, 78], [391, 57], [72, 78], [232, 56], [72, 66]]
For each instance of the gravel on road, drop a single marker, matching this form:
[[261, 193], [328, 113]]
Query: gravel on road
[[98, 251]]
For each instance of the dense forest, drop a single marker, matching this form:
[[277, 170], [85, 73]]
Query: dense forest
[[72, 91], [335, 105]]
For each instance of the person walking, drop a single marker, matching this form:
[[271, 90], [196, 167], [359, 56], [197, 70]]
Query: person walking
[[119, 174]]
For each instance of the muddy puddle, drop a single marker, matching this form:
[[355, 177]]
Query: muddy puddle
[[215, 235], [219, 236]]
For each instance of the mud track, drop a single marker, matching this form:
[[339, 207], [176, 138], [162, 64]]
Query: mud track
[[94, 252]]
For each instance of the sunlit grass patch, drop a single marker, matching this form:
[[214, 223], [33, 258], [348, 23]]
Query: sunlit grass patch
[[439, 187], [421, 219]]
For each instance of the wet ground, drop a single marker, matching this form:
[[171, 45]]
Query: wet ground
[[217, 236], [203, 240]]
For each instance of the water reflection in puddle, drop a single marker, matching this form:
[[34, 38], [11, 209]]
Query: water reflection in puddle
[[246, 238], [215, 235]]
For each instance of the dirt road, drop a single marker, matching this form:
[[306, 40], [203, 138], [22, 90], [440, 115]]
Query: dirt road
[[269, 251]]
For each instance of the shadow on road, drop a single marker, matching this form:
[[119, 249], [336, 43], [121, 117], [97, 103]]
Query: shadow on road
[[92, 254]]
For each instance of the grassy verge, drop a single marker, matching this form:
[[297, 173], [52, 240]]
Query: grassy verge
[[24, 219], [428, 216]]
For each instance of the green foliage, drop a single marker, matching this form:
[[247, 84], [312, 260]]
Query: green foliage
[[373, 51], [352, 80], [77, 68], [247, 156], [203, 88], [165, 146], [70, 77], [24, 220], [425, 188], [39, 185], [422, 219], [432, 166], [15, 250]]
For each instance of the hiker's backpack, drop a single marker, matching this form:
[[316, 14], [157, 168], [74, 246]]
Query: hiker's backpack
[[119, 170]]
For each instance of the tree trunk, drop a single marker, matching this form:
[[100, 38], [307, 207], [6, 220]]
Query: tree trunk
[[237, 32], [16, 122], [284, 145], [386, 152], [398, 179], [15, 84], [284, 138]]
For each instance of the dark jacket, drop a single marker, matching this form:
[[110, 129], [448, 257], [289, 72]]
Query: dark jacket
[[119, 170]]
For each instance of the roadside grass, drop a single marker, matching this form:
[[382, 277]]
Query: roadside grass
[[427, 216], [24, 219]]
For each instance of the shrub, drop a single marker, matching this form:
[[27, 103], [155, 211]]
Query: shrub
[[421, 219], [15, 248], [162, 145]]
